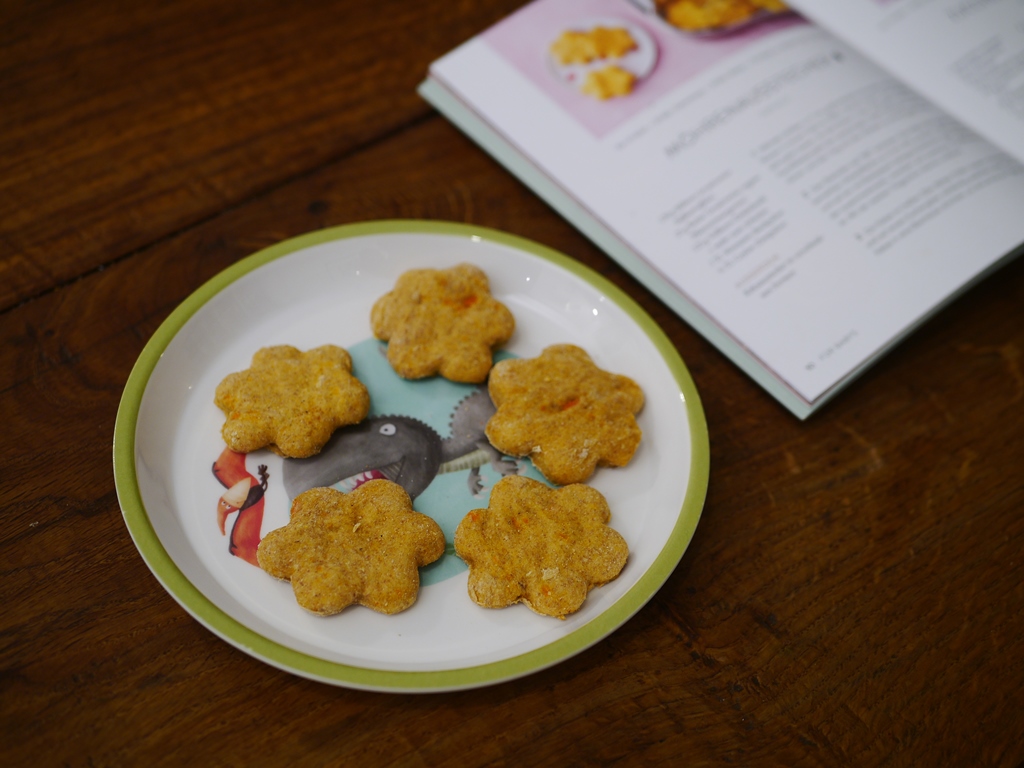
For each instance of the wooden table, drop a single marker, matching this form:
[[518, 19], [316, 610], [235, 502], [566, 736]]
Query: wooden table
[[853, 594]]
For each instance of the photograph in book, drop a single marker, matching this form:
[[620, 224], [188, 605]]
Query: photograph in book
[[603, 61]]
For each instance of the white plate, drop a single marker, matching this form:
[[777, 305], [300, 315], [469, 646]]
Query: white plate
[[318, 289]]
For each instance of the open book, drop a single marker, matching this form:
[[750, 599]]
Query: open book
[[804, 198]]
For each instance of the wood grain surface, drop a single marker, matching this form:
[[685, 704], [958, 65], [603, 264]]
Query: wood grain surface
[[854, 594]]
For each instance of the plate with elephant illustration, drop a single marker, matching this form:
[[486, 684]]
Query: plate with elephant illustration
[[197, 510]]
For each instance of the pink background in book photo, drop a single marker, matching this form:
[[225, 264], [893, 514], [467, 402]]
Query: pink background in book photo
[[523, 39]]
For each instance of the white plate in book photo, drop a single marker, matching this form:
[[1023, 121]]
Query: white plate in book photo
[[639, 62]]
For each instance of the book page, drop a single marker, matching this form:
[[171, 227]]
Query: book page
[[966, 56], [808, 204]]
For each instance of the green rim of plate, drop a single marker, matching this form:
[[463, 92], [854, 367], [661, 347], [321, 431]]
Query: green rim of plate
[[283, 657]]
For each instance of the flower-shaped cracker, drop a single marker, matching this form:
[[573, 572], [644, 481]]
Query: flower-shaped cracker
[[291, 401], [362, 547], [442, 321], [575, 47], [565, 413], [608, 82], [541, 546]]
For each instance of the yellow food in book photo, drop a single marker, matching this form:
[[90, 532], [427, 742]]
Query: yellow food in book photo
[[576, 47], [609, 82], [704, 15]]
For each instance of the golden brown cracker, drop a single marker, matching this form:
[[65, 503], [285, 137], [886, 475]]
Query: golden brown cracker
[[577, 47], [442, 321], [363, 547], [573, 47], [608, 83], [541, 546], [290, 401], [612, 42], [564, 412]]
